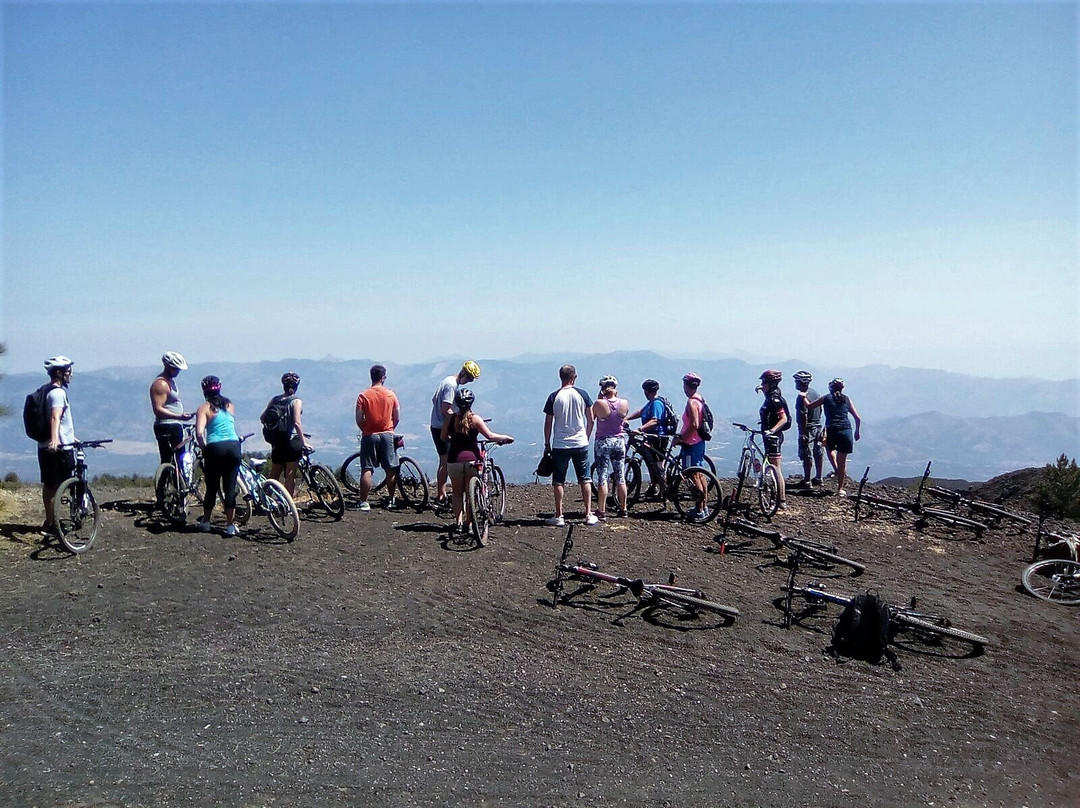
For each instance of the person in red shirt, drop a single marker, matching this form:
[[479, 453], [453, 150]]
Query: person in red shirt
[[377, 416]]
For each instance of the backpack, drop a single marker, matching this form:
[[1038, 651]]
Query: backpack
[[705, 430], [277, 420], [790, 419], [862, 630], [668, 420], [37, 420]]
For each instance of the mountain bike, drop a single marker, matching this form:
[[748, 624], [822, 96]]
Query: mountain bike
[[174, 482], [799, 550], [922, 514], [485, 493], [77, 515], [1054, 579], [757, 473], [676, 484], [321, 485], [413, 488], [255, 494], [650, 595]]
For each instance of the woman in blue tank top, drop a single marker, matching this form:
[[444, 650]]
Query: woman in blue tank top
[[215, 430]]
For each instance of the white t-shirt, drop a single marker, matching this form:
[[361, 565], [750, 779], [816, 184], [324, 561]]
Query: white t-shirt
[[568, 406], [444, 395], [57, 399]]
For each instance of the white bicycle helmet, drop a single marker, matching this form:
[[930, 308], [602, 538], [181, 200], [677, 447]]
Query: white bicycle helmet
[[172, 359], [56, 362], [608, 381]]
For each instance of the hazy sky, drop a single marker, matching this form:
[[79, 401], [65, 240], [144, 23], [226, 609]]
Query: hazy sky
[[839, 182]]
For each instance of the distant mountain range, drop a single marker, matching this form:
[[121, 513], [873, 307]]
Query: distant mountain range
[[972, 428]]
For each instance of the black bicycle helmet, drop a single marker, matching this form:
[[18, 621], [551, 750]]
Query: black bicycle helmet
[[290, 379], [803, 377], [836, 385], [464, 398], [650, 385]]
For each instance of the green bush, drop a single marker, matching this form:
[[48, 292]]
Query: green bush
[[1058, 492], [131, 480]]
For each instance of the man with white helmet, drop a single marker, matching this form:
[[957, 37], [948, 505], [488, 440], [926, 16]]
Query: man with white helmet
[[442, 405], [811, 431], [56, 458], [169, 414]]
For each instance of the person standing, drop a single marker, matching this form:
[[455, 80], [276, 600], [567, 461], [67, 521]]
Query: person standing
[[609, 415], [56, 457], [811, 432], [839, 440], [654, 423], [377, 416], [215, 431], [169, 414], [283, 430], [692, 453], [568, 426], [442, 405], [775, 417]]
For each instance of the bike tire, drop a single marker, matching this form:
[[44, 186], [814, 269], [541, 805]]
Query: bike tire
[[244, 500], [1043, 580], [480, 511], [769, 491], [681, 493], [692, 603], [167, 494], [498, 494], [327, 491], [710, 464], [351, 472], [412, 483], [926, 625], [280, 509], [77, 515], [633, 481], [823, 554]]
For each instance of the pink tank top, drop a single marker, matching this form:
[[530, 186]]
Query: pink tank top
[[694, 437]]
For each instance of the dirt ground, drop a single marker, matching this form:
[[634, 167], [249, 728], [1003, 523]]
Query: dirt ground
[[374, 662]]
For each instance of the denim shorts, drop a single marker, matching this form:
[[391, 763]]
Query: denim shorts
[[610, 457], [693, 455], [810, 442], [378, 450], [561, 458]]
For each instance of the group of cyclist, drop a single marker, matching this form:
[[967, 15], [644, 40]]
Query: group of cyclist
[[572, 421]]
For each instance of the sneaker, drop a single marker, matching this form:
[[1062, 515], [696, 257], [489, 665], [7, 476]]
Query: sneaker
[[232, 530], [782, 506], [363, 506], [591, 519], [555, 521], [391, 504], [203, 525], [623, 514], [600, 517], [816, 482], [840, 492]]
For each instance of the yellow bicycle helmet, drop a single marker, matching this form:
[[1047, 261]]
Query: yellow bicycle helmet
[[471, 368]]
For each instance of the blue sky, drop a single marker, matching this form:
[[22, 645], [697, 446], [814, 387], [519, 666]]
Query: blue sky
[[854, 183]]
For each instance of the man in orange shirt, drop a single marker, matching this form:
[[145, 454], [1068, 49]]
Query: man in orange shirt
[[377, 415]]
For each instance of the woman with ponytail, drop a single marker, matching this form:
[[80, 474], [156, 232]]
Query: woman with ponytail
[[215, 430]]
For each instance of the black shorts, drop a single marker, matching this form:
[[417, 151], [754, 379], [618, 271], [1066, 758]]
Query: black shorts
[[773, 443], [839, 440], [442, 447], [289, 452], [55, 467]]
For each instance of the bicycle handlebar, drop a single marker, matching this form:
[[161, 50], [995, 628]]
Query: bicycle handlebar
[[745, 428], [86, 444]]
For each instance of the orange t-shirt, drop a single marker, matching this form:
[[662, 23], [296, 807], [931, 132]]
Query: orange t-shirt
[[378, 404]]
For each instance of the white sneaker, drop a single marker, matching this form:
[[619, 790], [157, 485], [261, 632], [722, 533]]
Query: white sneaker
[[363, 506], [591, 519], [555, 521], [841, 493], [232, 530], [203, 525]]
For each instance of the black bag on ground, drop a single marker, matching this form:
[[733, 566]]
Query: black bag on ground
[[546, 467], [37, 420], [862, 630]]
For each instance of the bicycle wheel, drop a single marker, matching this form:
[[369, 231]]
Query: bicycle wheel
[[167, 493], [412, 483], [77, 515], [768, 492], [481, 513], [1055, 579], [350, 472], [280, 509], [934, 628], [244, 501], [497, 494], [823, 554], [694, 604], [633, 480], [684, 494], [327, 491], [710, 465]]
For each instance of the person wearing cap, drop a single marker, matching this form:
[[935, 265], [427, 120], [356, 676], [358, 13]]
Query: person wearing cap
[[442, 405], [460, 432], [215, 431], [689, 438], [285, 452], [609, 414], [839, 439], [811, 431], [656, 432], [169, 413], [56, 458], [377, 416], [568, 426], [774, 416]]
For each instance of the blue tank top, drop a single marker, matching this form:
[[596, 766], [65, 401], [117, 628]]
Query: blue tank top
[[836, 412], [221, 427]]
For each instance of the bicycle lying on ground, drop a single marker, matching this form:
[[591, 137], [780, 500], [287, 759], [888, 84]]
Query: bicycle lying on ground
[[174, 482], [485, 493], [255, 494], [412, 483], [321, 485], [757, 473], [78, 517], [818, 553], [676, 484], [923, 515], [690, 601], [1054, 579]]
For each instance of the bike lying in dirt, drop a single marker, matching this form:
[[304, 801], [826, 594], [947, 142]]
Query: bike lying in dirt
[[649, 595], [413, 488], [255, 494], [78, 517], [1054, 579], [799, 550]]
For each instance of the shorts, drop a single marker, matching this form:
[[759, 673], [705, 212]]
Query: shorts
[[289, 452], [378, 450], [169, 436], [773, 443], [442, 447], [839, 440], [55, 467], [810, 443], [692, 455], [463, 469], [610, 459], [561, 458]]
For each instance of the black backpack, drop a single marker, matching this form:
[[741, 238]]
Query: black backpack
[[705, 430], [277, 420], [862, 631], [37, 420], [669, 420]]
